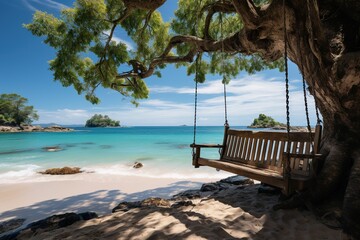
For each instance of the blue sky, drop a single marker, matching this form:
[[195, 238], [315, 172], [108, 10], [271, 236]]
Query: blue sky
[[24, 70]]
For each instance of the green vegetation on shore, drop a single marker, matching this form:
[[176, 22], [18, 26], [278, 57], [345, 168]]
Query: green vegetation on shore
[[14, 111], [264, 121], [99, 120]]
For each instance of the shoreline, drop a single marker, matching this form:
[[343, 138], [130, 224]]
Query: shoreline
[[92, 192]]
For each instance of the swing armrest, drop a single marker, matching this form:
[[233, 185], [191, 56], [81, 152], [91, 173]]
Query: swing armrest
[[196, 153], [206, 145]]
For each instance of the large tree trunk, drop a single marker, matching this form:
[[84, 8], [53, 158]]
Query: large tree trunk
[[325, 42]]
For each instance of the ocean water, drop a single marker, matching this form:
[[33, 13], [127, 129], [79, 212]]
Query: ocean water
[[164, 151]]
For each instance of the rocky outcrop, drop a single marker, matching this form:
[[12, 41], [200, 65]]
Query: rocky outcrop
[[149, 202], [11, 224], [62, 171], [50, 223], [30, 128], [293, 129]]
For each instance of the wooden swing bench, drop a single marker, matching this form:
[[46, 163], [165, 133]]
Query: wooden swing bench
[[261, 156]]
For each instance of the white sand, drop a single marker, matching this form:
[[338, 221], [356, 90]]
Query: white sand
[[236, 213], [83, 192]]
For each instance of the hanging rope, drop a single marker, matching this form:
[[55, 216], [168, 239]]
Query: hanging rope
[[196, 99], [286, 75], [302, 72], [288, 169], [223, 67]]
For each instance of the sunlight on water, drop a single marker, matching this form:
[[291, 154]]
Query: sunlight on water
[[164, 152]]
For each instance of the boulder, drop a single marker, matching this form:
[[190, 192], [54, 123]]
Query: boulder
[[50, 223], [138, 165], [188, 194], [62, 171], [149, 202], [11, 224], [237, 180]]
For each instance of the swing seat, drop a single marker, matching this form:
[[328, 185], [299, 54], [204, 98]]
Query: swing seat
[[261, 156]]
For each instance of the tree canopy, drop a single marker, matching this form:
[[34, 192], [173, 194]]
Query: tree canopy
[[88, 56], [99, 120], [14, 111]]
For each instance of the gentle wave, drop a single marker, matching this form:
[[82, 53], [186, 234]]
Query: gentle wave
[[24, 172], [126, 170]]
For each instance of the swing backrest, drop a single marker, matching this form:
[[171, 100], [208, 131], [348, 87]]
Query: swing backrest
[[265, 149]]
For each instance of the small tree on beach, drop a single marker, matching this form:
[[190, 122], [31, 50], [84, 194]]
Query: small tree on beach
[[323, 38], [14, 112]]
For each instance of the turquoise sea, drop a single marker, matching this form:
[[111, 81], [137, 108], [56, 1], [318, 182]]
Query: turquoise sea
[[164, 151]]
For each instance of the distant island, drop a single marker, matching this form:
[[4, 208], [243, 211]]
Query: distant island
[[264, 121], [99, 120]]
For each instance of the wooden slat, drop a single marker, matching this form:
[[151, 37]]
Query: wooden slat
[[269, 154], [267, 176], [275, 152], [259, 149], [253, 151], [308, 148], [263, 160], [228, 145], [248, 149], [238, 146], [281, 150], [242, 149]]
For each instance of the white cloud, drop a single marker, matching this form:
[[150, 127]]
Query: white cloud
[[64, 116], [31, 4], [247, 98]]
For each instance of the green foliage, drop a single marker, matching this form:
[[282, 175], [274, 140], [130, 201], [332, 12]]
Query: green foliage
[[86, 58], [99, 120], [264, 121], [14, 112]]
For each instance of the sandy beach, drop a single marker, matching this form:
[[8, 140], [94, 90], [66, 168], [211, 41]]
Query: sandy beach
[[236, 212]]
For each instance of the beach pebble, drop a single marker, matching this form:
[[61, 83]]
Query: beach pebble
[[138, 165]]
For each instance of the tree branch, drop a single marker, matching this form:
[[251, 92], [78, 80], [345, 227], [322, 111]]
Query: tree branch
[[248, 11], [218, 7]]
